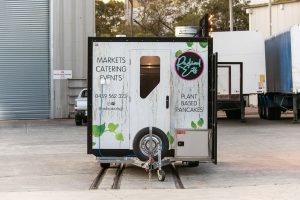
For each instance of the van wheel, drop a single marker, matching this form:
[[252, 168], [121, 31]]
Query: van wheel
[[78, 122], [141, 143]]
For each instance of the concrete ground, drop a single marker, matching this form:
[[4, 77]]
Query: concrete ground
[[46, 159]]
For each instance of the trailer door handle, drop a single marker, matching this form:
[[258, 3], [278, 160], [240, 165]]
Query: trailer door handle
[[167, 102]]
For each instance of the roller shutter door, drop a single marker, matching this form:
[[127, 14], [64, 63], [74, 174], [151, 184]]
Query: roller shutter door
[[24, 59]]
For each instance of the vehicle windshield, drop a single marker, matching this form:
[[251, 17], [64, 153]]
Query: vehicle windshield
[[84, 93]]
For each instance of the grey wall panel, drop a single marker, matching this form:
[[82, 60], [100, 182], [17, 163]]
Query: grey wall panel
[[73, 23], [24, 59], [284, 15]]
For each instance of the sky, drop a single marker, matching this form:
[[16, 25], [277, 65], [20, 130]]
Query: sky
[[252, 1], [259, 1], [105, 1]]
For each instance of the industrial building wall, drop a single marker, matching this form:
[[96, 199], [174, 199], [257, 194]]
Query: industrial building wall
[[24, 59], [284, 15], [73, 23]]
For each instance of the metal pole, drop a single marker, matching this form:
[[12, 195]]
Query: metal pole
[[230, 15], [51, 50], [94, 4], [131, 17], [270, 16], [295, 108], [242, 94]]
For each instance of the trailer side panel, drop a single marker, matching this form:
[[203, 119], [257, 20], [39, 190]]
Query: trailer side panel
[[278, 63]]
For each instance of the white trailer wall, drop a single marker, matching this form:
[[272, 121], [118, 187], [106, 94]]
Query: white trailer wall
[[295, 48], [73, 23], [247, 47]]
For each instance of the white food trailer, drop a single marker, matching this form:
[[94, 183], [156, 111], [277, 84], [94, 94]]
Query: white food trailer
[[152, 101]]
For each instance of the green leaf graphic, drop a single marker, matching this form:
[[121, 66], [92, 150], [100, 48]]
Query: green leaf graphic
[[119, 137], [98, 130], [170, 137], [178, 53], [189, 44], [203, 44], [193, 124], [112, 127], [200, 122]]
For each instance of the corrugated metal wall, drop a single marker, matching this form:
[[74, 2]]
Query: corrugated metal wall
[[24, 59]]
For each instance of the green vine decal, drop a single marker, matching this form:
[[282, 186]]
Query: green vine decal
[[200, 122], [98, 131], [203, 44], [178, 53], [170, 137], [190, 47], [189, 44], [193, 125], [197, 124]]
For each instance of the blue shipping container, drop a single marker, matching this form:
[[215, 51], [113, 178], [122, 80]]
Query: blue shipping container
[[279, 64]]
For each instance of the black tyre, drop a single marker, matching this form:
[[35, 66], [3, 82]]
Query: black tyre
[[78, 122], [105, 165], [141, 143], [161, 175], [78, 119], [261, 112], [233, 114], [193, 163], [274, 113]]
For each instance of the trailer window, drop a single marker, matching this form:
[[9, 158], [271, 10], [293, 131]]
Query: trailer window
[[149, 74]]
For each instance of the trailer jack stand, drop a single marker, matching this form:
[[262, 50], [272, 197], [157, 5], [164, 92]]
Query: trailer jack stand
[[152, 165], [161, 175]]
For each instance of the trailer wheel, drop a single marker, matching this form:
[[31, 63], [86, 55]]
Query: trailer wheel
[[161, 175], [193, 163], [105, 165], [274, 113], [233, 114], [141, 143], [261, 112]]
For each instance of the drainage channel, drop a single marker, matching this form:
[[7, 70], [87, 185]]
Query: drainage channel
[[176, 177], [104, 177], [110, 178]]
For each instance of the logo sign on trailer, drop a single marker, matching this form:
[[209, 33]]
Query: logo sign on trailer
[[189, 65]]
